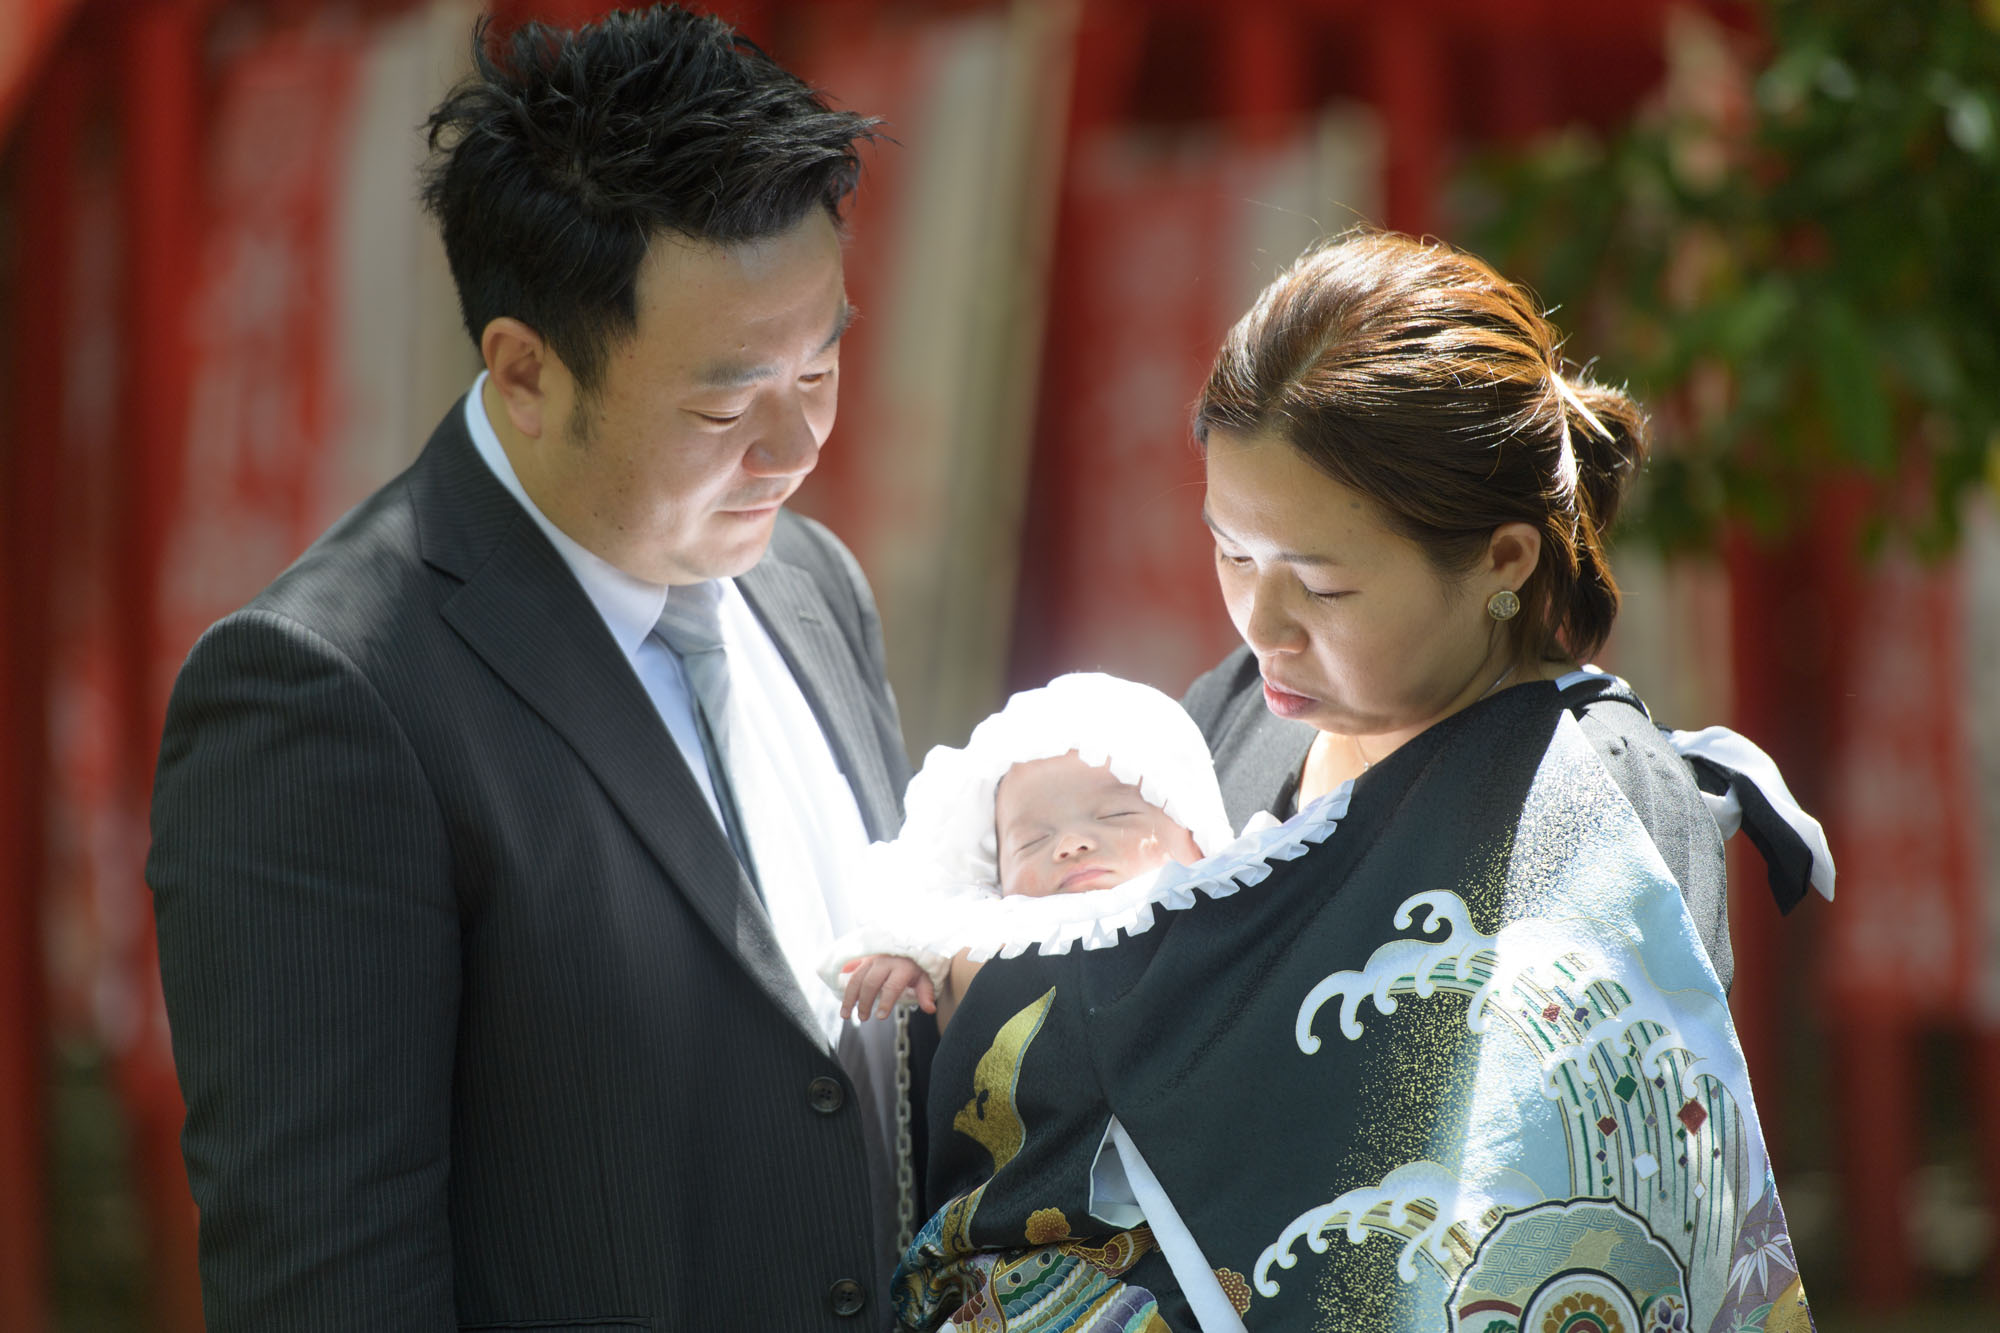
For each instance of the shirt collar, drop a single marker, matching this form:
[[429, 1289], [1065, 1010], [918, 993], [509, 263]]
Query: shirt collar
[[630, 606]]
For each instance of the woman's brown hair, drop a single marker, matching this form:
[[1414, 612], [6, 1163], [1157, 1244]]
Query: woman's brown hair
[[1416, 375]]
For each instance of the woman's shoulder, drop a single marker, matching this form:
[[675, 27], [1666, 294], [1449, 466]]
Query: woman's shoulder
[[1641, 758], [1661, 787]]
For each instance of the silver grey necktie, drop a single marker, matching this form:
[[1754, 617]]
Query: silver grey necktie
[[691, 625]]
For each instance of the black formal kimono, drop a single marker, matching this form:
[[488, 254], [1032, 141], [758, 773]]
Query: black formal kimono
[[1258, 757], [1443, 1051]]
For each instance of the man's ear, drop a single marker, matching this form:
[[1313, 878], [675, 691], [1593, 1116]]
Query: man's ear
[[1511, 556], [517, 362]]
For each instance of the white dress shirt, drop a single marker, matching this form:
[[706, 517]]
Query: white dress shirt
[[800, 817]]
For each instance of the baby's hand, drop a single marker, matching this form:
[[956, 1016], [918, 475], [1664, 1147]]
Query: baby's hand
[[878, 981]]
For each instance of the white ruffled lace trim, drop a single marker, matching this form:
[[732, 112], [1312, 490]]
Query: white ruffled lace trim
[[985, 925]]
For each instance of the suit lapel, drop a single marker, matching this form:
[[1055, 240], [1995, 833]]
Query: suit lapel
[[522, 611], [801, 624]]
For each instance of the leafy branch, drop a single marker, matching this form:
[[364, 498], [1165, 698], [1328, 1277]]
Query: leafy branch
[[1793, 255]]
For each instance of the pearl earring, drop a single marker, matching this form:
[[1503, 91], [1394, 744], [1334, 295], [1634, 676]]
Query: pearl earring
[[1503, 605]]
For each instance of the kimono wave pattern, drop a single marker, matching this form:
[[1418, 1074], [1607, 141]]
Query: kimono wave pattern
[[1523, 1108]]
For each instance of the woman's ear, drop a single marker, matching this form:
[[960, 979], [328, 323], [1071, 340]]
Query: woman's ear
[[517, 362], [1511, 556]]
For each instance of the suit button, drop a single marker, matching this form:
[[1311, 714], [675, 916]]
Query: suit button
[[826, 1096], [847, 1297]]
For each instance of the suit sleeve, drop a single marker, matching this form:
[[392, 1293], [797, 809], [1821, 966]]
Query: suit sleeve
[[309, 952]]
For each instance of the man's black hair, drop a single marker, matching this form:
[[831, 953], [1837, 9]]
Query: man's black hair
[[563, 154]]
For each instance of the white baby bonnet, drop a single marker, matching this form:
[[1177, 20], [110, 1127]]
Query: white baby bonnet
[[935, 888]]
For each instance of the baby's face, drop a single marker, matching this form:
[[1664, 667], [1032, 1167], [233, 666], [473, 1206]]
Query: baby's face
[[1066, 827]]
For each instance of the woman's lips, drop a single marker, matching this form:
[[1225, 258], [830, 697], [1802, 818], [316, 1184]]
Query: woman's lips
[[1286, 704]]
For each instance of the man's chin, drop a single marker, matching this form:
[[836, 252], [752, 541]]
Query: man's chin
[[737, 540]]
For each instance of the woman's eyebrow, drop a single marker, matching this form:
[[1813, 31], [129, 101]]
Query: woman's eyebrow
[[1308, 558]]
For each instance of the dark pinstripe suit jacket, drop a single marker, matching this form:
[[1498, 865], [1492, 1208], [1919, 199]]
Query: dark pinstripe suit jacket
[[479, 1023]]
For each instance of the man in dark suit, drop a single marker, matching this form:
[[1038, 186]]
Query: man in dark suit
[[494, 843]]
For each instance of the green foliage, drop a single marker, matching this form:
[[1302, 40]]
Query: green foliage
[[1794, 257]]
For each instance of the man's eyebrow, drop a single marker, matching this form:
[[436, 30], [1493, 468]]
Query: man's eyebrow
[[841, 323], [725, 375], [1306, 558]]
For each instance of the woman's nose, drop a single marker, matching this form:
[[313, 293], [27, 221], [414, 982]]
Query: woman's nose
[[1269, 626]]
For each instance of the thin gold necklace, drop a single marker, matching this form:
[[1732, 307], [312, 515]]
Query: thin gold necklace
[[1498, 681]]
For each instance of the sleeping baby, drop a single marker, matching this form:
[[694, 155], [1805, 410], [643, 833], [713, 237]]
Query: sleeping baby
[[1086, 786]]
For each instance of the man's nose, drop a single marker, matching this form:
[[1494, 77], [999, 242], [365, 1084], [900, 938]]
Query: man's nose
[[788, 448]]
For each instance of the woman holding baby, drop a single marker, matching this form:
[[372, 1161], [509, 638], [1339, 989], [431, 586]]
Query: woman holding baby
[[1448, 1048]]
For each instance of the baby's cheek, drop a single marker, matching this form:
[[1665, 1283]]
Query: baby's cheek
[[1179, 845], [1150, 854], [1023, 884]]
